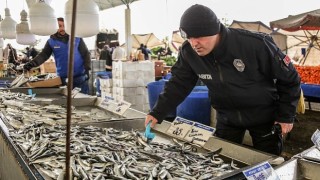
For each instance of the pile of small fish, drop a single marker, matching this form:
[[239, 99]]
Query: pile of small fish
[[107, 153], [8, 95], [19, 114]]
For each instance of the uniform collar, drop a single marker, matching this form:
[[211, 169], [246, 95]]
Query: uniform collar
[[221, 48]]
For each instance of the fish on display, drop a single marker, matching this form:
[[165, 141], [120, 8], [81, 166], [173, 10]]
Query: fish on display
[[102, 153]]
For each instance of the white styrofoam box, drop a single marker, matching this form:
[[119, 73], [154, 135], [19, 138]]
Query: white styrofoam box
[[127, 74], [140, 82], [149, 74], [122, 74], [130, 91], [105, 83], [124, 66], [133, 74], [108, 89], [133, 66], [146, 66], [135, 99], [128, 82]]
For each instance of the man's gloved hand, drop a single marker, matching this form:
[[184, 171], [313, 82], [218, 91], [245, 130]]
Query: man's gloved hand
[[28, 66]]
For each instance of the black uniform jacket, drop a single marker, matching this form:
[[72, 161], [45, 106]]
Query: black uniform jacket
[[250, 80]]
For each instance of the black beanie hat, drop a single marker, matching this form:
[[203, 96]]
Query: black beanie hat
[[199, 21]]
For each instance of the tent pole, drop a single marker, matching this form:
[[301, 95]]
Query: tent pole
[[128, 32]]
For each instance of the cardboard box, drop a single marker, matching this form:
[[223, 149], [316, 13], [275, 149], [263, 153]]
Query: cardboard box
[[158, 66], [33, 72], [48, 67], [1, 66], [46, 83]]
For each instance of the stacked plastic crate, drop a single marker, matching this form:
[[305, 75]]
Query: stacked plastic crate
[[130, 80], [105, 85]]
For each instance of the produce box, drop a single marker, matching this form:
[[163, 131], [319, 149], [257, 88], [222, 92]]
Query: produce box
[[46, 83], [158, 66], [48, 67]]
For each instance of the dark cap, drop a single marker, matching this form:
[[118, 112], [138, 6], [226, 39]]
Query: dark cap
[[199, 21]]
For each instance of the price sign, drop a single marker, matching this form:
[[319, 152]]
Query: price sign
[[315, 138], [180, 127], [108, 103], [263, 171], [121, 107], [117, 107], [199, 134]]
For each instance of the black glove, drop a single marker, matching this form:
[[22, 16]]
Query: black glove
[[28, 66]]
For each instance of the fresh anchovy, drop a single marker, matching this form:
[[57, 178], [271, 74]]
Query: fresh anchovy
[[107, 153]]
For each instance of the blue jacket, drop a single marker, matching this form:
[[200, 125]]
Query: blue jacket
[[60, 53], [59, 46]]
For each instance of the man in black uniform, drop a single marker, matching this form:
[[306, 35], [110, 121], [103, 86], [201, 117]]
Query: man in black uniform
[[252, 84]]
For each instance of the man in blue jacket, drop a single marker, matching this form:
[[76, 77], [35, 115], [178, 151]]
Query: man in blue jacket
[[58, 45], [252, 84]]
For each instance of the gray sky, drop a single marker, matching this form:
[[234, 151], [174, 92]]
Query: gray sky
[[162, 16]]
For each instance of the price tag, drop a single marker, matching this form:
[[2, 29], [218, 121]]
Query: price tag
[[121, 107], [315, 138], [108, 103], [117, 107], [263, 171], [199, 134], [180, 127]]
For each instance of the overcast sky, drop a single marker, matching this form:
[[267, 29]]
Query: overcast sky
[[162, 16]]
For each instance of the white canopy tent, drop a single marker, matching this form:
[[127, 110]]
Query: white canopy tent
[[303, 31], [279, 38]]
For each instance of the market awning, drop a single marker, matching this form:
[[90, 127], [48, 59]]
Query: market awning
[[150, 40], [303, 31], [305, 21], [279, 39]]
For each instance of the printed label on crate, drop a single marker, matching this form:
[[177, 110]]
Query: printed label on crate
[[199, 134], [180, 127], [315, 138], [262, 171], [117, 107]]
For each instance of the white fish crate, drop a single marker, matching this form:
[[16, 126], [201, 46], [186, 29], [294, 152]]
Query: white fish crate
[[109, 89], [105, 94], [134, 99], [105, 83], [133, 70], [133, 66], [131, 91]]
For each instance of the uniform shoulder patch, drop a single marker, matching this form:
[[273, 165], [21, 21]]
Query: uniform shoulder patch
[[286, 60]]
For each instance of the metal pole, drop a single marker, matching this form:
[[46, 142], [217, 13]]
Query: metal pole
[[128, 32], [70, 86]]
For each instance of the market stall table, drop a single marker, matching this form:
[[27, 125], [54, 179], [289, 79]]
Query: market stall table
[[311, 93]]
